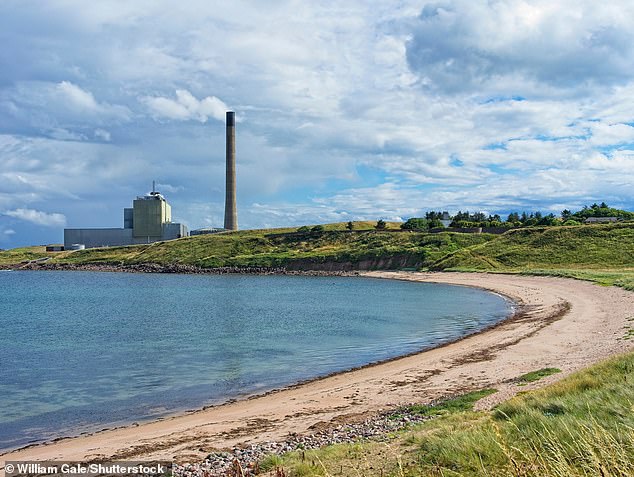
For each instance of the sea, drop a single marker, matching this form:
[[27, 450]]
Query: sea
[[84, 351]]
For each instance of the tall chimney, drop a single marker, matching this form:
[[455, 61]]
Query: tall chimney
[[231, 213]]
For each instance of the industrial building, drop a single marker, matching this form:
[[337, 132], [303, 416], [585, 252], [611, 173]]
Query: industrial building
[[149, 220]]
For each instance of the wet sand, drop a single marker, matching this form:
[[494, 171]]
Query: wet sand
[[561, 323]]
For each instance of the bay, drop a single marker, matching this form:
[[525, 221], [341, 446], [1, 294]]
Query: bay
[[81, 351]]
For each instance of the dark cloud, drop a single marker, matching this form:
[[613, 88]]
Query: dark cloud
[[467, 46]]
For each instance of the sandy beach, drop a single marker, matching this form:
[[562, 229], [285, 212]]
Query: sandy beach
[[561, 323]]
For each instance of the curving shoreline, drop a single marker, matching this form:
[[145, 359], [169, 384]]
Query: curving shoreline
[[566, 324]]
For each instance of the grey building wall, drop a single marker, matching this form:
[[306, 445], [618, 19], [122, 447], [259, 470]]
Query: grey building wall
[[173, 231], [98, 237], [92, 238], [128, 218]]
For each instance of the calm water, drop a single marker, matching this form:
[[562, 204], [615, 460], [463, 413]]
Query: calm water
[[82, 351]]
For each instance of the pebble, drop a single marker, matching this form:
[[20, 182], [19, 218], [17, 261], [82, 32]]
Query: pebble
[[243, 461]]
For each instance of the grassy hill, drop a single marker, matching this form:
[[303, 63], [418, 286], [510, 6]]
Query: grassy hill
[[550, 247], [332, 248], [17, 255], [601, 253]]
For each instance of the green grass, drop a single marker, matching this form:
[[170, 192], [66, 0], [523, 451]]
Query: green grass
[[286, 248], [460, 403], [603, 254], [537, 375], [582, 425], [579, 247], [18, 255]]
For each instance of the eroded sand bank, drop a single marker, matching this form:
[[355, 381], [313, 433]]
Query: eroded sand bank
[[563, 323]]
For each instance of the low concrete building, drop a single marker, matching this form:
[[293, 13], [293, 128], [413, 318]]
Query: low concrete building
[[149, 220], [601, 220], [206, 231]]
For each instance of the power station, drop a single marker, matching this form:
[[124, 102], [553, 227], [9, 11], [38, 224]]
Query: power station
[[148, 220], [150, 217]]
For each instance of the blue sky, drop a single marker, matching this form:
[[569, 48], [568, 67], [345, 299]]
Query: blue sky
[[346, 110]]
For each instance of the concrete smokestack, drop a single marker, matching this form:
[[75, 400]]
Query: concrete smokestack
[[231, 213]]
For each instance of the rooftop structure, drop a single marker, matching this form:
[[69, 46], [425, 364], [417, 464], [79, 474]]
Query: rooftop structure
[[601, 220]]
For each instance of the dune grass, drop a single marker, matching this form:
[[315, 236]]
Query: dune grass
[[580, 426]]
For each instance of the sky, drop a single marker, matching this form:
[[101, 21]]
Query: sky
[[354, 110]]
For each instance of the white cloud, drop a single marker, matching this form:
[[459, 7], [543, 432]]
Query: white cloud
[[38, 217], [61, 110], [77, 97], [103, 134], [169, 188], [8, 232], [186, 107]]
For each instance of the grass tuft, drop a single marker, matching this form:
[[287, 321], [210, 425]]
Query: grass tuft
[[464, 402], [580, 426], [537, 375]]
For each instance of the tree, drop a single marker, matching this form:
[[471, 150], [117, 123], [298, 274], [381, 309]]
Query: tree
[[435, 223], [479, 217], [415, 223], [433, 215], [350, 225], [317, 228], [549, 219], [513, 217], [380, 225], [565, 214]]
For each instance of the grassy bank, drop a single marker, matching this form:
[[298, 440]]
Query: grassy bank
[[603, 254], [18, 255], [580, 426], [600, 253], [287, 247]]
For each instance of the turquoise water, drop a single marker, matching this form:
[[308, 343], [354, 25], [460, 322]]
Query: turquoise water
[[82, 351]]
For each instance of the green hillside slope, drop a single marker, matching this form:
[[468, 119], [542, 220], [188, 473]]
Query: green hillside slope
[[550, 247], [329, 249], [601, 253]]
